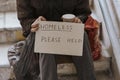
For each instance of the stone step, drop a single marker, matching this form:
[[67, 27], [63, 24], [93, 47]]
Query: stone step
[[5, 75], [3, 55], [7, 5], [103, 64], [99, 76], [10, 29], [8, 36]]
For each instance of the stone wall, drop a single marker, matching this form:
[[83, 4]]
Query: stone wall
[[7, 5]]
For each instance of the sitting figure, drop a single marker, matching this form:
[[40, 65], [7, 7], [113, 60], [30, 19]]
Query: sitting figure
[[30, 12]]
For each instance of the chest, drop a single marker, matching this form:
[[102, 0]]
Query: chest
[[54, 4]]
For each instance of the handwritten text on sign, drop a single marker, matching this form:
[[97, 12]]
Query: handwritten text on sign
[[59, 38]]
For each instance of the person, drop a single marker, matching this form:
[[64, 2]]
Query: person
[[30, 12]]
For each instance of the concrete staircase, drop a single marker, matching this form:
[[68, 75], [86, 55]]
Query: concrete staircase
[[10, 32]]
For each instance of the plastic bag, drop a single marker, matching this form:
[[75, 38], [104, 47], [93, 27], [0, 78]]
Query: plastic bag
[[92, 27], [14, 52], [27, 68], [14, 56]]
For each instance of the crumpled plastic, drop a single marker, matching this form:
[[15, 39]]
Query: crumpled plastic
[[26, 65], [92, 26]]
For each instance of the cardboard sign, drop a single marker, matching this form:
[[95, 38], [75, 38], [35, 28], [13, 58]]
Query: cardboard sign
[[59, 38]]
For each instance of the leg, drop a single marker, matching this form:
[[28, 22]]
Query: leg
[[48, 67], [84, 64]]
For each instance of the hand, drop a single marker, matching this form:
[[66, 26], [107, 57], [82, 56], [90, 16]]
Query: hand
[[77, 20], [35, 24]]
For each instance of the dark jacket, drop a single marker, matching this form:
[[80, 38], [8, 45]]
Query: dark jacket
[[52, 10]]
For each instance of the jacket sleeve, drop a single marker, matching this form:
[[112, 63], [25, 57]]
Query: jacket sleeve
[[26, 15], [82, 10]]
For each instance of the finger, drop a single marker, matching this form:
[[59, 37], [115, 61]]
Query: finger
[[34, 25], [34, 29], [76, 20], [41, 18], [36, 22], [79, 21]]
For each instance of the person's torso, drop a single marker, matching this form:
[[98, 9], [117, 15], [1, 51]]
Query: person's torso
[[53, 9]]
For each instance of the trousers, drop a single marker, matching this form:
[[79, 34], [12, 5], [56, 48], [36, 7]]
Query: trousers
[[84, 64]]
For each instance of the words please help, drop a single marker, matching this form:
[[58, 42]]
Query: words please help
[[61, 38]]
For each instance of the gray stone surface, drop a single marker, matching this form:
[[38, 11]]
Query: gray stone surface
[[9, 21], [102, 64], [102, 75], [3, 55], [4, 73], [9, 36], [10, 28], [1, 21], [7, 5]]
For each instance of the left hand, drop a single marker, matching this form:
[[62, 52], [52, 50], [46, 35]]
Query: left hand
[[77, 20], [35, 24]]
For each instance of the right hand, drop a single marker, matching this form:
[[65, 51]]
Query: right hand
[[35, 24], [77, 20]]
